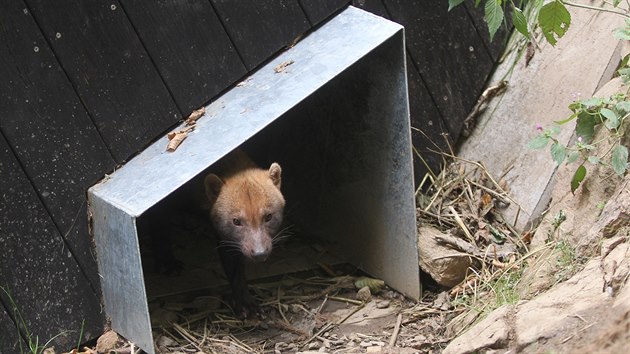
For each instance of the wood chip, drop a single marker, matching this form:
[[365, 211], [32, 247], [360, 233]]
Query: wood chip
[[282, 66]]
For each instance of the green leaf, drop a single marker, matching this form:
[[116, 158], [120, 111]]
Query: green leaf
[[555, 129], [454, 3], [493, 16], [554, 20], [519, 21], [624, 73], [622, 33], [619, 159], [573, 157], [612, 118], [623, 106], [593, 159], [578, 177], [564, 121], [592, 102], [375, 285], [585, 127], [616, 3], [558, 152], [538, 142]]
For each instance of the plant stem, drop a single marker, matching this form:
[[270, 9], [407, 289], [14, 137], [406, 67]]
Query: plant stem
[[596, 8]]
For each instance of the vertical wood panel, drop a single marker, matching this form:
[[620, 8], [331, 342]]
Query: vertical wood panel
[[374, 6], [189, 47], [319, 10], [52, 135], [110, 70], [10, 336], [495, 47], [44, 280], [426, 118], [448, 53], [259, 29]]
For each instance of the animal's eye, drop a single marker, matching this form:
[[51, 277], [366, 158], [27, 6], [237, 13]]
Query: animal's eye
[[236, 221], [268, 217]]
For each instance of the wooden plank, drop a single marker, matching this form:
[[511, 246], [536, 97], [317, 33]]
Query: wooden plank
[[189, 46], [448, 53], [9, 340], [44, 280], [374, 6], [319, 10], [496, 46], [427, 126], [260, 29], [52, 135], [107, 65]]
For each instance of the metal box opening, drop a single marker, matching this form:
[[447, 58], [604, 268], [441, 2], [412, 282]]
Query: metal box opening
[[335, 117]]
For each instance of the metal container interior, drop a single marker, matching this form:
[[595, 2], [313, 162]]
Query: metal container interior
[[336, 119]]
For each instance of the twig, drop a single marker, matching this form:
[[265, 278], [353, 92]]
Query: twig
[[461, 224], [319, 309], [459, 244], [186, 335], [343, 299], [394, 336]]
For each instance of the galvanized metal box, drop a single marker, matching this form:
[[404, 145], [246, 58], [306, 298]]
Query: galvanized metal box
[[337, 118]]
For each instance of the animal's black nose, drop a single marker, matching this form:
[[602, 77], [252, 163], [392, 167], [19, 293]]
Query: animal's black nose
[[259, 256]]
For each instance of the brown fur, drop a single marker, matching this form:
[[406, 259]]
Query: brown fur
[[245, 204]]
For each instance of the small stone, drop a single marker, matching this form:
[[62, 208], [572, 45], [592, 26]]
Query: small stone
[[383, 304], [50, 350], [375, 349], [314, 345], [364, 294], [164, 341]]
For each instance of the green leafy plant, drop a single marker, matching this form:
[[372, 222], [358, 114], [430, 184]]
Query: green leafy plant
[[589, 114], [552, 17]]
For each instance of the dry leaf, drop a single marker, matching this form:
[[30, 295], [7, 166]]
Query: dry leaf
[[281, 67], [107, 342], [176, 140], [196, 114], [375, 285], [486, 199]]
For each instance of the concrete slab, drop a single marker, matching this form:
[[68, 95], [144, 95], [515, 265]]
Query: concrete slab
[[541, 93]]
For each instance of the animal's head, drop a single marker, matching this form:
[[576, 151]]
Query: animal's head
[[247, 209]]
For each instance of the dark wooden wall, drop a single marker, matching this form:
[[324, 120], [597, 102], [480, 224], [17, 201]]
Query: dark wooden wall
[[86, 84]]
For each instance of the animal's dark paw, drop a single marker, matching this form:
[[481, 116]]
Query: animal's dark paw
[[246, 306]]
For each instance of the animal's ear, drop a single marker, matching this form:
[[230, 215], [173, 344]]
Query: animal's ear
[[213, 186], [275, 173]]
